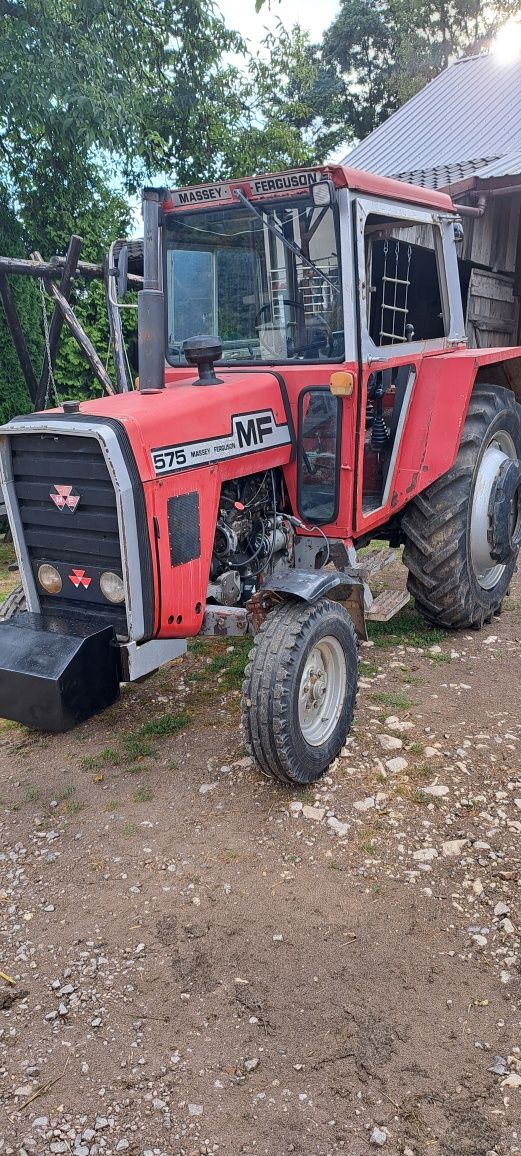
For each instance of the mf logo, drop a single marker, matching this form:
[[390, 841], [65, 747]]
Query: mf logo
[[63, 498], [79, 578], [253, 431]]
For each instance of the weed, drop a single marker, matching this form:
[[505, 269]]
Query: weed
[[199, 646], [229, 854], [440, 657], [292, 858], [113, 805], [129, 829], [231, 664], [107, 757], [368, 669], [334, 865], [66, 793], [307, 798], [393, 700], [408, 628], [33, 794], [376, 888], [166, 724], [415, 749], [136, 746], [74, 806], [142, 795]]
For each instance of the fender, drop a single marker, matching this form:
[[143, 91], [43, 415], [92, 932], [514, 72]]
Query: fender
[[311, 585], [438, 412]]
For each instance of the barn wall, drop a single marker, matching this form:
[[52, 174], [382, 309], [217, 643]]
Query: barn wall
[[491, 242]]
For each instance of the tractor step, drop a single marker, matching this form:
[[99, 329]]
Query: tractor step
[[375, 560], [387, 604]]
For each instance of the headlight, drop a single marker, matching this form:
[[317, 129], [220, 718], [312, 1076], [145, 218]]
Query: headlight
[[49, 578], [112, 587]]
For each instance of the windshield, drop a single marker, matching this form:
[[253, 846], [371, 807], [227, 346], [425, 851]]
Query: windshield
[[228, 274]]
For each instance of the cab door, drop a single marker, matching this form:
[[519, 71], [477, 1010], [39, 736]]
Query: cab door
[[406, 313]]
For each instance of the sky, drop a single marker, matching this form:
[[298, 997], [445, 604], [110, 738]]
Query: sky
[[314, 15]]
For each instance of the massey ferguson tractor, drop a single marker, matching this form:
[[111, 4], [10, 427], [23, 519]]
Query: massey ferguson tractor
[[230, 492]]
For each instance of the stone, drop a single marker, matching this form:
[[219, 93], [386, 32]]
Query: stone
[[512, 1081], [100, 1123], [378, 1137], [501, 908], [437, 790], [195, 1109], [250, 1064], [41, 1122], [390, 742], [340, 829], [508, 927], [425, 854], [59, 1146], [365, 804], [453, 847], [295, 807], [316, 813], [397, 765], [122, 1144], [396, 724], [205, 788], [431, 752], [499, 1067]]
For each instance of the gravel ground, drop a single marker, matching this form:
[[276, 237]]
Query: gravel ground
[[197, 961]]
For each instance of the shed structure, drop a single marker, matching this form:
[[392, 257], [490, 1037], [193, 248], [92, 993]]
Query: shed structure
[[462, 134]]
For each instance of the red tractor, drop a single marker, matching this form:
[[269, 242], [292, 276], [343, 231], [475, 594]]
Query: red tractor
[[229, 493]]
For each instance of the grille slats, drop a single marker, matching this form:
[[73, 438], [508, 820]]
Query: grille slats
[[83, 539]]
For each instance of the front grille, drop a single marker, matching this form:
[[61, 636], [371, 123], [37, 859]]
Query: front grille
[[84, 539]]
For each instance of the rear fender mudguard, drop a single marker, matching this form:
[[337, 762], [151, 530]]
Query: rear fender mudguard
[[438, 412]]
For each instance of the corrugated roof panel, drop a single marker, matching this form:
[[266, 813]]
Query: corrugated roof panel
[[508, 166], [471, 110]]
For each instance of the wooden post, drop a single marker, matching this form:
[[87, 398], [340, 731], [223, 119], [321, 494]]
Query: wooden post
[[79, 333], [16, 331], [55, 328]]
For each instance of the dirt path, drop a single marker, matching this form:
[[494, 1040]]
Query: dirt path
[[204, 963]]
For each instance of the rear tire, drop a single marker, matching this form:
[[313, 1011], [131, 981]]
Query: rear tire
[[299, 690], [462, 533]]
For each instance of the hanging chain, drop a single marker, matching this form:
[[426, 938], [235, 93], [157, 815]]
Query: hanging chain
[[50, 374]]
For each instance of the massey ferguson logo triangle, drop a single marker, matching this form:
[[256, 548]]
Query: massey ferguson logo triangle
[[78, 579], [63, 498]]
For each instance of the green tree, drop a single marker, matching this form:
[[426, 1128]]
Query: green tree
[[14, 397], [386, 50]]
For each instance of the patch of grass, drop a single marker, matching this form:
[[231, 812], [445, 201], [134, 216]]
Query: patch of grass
[[105, 758], [113, 805], [136, 746], [407, 628], [334, 865], [66, 793], [415, 749], [167, 724], [368, 669], [142, 795], [231, 665], [307, 798], [393, 700], [440, 657], [74, 807], [230, 854], [33, 794], [200, 646], [129, 829]]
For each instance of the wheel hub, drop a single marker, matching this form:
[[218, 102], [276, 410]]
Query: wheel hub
[[322, 691], [495, 524]]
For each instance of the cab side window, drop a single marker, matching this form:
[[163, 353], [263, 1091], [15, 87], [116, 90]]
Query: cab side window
[[402, 266], [319, 456]]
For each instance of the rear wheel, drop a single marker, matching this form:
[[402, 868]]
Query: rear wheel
[[463, 533], [299, 690], [13, 604]]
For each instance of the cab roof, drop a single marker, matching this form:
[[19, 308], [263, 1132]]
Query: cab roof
[[299, 180]]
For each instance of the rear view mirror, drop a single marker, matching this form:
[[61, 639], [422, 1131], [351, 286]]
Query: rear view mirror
[[122, 275], [322, 194]]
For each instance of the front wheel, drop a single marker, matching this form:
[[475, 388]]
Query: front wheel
[[299, 690], [463, 533]]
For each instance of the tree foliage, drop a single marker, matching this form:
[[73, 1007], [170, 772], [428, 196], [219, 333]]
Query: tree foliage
[[386, 50]]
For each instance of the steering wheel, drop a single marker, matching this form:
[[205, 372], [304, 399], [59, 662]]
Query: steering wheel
[[315, 319]]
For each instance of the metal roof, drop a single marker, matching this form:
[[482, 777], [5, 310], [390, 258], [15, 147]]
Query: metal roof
[[509, 166], [467, 118]]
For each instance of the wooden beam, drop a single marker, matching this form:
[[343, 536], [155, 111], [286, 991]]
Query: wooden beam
[[78, 332], [55, 328], [17, 335], [53, 269]]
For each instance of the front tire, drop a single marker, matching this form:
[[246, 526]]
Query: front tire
[[299, 690], [463, 532]]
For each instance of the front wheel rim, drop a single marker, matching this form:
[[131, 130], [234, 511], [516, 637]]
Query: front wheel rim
[[322, 691], [500, 449]]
